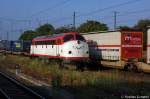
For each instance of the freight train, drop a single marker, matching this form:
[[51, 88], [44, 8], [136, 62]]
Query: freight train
[[64, 47], [115, 47], [15, 46], [119, 49]]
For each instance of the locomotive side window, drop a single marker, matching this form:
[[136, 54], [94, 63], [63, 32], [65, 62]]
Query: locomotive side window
[[79, 37], [52, 42], [68, 38]]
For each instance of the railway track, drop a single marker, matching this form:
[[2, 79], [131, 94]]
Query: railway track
[[12, 89]]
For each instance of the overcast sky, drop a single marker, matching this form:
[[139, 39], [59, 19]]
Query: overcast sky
[[19, 15]]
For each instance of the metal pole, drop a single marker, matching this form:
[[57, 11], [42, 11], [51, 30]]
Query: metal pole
[[7, 36], [74, 27], [115, 20]]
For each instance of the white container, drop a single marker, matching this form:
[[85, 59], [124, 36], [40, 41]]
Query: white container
[[114, 45]]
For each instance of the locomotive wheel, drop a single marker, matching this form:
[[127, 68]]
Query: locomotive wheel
[[80, 66], [46, 60], [61, 64]]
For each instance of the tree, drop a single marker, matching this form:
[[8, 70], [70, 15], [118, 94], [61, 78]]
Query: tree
[[125, 28], [28, 35], [91, 25], [142, 25], [63, 29], [45, 29]]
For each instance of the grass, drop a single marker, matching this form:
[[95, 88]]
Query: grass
[[83, 85]]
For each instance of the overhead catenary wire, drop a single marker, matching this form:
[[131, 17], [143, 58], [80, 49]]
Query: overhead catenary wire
[[126, 20], [37, 13], [111, 16], [67, 18], [99, 10], [134, 12], [80, 15], [125, 13], [110, 7], [50, 8]]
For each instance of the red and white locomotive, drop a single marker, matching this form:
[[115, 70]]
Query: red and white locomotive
[[65, 46]]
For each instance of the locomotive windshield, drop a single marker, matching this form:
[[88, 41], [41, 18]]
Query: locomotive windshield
[[79, 37], [68, 38], [71, 37]]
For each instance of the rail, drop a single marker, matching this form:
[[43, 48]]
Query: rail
[[15, 86]]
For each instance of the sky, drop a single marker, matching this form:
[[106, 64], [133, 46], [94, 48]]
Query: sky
[[17, 16]]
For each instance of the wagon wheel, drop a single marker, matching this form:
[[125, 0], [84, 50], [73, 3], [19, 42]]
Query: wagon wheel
[[130, 67], [134, 68]]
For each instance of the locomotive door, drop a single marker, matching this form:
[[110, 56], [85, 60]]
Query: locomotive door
[[57, 47], [32, 48]]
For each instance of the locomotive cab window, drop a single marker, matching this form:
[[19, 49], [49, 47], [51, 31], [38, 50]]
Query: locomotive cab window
[[68, 38], [79, 37]]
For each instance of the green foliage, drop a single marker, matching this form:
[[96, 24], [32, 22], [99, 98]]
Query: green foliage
[[28, 35], [56, 77], [63, 29], [142, 24], [91, 25], [125, 28], [42, 30], [45, 29], [82, 85]]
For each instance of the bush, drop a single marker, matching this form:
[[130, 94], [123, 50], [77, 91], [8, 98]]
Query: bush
[[56, 77]]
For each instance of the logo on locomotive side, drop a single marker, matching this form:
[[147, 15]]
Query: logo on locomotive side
[[78, 47], [127, 38], [134, 39]]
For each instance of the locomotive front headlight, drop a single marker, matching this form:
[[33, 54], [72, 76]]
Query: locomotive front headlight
[[87, 52], [78, 42], [69, 52]]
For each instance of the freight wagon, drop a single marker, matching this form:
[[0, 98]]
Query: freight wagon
[[3, 44], [115, 46], [148, 46], [15, 46], [26, 46]]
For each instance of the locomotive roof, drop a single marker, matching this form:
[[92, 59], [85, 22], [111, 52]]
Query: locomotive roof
[[50, 36], [98, 32], [53, 35]]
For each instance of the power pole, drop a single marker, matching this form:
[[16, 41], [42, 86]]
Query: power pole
[[1, 30], [0, 36], [7, 36], [38, 22], [29, 22], [74, 19], [115, 20]]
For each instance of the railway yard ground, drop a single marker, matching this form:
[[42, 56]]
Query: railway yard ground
[[52, 82]]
